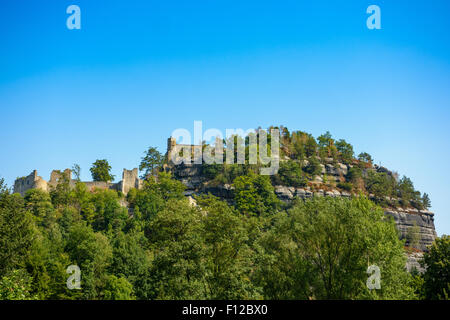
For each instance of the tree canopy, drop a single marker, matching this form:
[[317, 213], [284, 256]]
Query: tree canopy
[[101, 171], [152, 160]]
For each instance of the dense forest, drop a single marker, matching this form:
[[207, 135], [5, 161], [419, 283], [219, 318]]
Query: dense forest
[[153, 243]]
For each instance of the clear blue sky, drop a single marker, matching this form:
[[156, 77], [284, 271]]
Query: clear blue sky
[[137, 70]]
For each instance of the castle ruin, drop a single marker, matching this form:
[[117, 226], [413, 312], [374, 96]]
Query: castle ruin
[[130, 179]]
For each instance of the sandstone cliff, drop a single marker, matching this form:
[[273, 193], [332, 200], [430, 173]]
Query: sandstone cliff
[[405, 218]]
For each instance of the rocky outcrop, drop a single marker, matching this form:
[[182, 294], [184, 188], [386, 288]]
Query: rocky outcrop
[[287, 194], [222, 191], [407, 219], [413, 262], [191, 176], [404, 218]]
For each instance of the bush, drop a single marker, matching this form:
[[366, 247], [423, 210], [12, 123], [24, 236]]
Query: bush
[[211, 171], [347, 186], [290, 174], [379, 183], [313, 167], [437, 275], [321, 250]]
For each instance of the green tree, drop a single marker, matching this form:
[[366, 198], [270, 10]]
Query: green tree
[[379, 183], [211, 171], [413, 236], [345, 150], [229, 259], [426, 201], [76, 169], [130, 258], [310, 146], [60, 194], [108, 213], [3, 187], [153, 196], [118, 289], [16, 285], [326, 146], [101, 171], [151, 161], [39, 203], [17, 232], [178, 267], [254, 195], [365, 157], [290, 174], [437, 274], [92, 253], [406, 189], [313, 168], [322, 248]]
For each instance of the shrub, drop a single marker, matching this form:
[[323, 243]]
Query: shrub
[[348, 186], [290, 174], [313, 167]]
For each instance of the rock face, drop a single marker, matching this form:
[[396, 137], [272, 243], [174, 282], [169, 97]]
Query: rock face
[[408, 219], [191, 176], [404, 219], [413, 262]]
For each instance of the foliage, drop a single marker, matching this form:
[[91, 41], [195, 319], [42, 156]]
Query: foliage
[[290, 174], [17, 232], [211, 171], [437, 276], [229, 258], [118, 289], [426, 201], [16, 285], [313, 167], [365, 157], [101, 171], [92, 252], [254, 195], [322, 248], [413, 235], [130, 258], [301, 145], [177, 270], [155, 244], [152, 160], [347, 186], [379, 183], [76, 169], [39, 203], [345, 150], [327, 147]]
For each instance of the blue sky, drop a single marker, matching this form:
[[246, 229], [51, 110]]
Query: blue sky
[[137, 70]]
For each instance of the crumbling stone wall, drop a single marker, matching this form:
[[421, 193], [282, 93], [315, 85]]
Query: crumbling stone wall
[[129, 180], [32, 181], [174, 150]]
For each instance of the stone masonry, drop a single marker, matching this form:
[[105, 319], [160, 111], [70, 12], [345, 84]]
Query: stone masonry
[[130, 179]]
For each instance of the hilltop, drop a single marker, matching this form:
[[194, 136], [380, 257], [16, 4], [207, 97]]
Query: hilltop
[[308, 167]]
